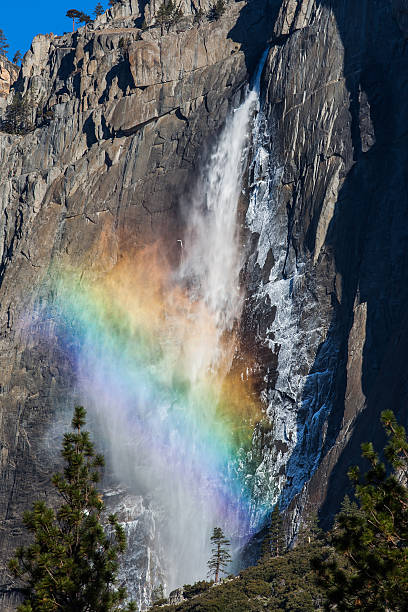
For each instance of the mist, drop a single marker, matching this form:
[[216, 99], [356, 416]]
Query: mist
[[154, 365]]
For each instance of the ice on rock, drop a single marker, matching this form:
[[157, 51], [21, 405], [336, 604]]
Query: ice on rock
[[298, 403]]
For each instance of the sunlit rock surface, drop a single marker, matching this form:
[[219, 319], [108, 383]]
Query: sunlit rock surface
[[125, 117], [8, 74], [130, 115]]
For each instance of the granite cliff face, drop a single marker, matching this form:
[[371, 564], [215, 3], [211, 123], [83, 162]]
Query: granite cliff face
[[8, 74], [124, 118], [329, 266]]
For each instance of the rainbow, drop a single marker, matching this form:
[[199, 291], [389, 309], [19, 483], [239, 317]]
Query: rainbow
[[159, 373]]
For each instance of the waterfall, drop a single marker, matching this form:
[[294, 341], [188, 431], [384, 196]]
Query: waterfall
[[154, 348], [212, 261], [213, 252]]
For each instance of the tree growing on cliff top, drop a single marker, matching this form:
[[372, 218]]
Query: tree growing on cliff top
[[3, 43], [98, 10], [17, 57], [85, 19], [72, 563], [370, 568], [75, 16], [220, 557]]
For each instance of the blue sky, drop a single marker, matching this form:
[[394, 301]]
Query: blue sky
[[22, 20]]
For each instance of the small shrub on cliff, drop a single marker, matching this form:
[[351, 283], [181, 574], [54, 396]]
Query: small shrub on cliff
[[3, 43], [72, 562], [168, 14], [18, 115], [370, 568], [17, 57], [217, 10]]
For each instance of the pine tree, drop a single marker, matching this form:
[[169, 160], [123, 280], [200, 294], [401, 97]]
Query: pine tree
[[370, 568], [220, 557], [84, 18], [3, 43], [72, 563], [217, 10], [273, 544], [18, 115], [17, 57], [168, 14], [75, 16], [98, 10]]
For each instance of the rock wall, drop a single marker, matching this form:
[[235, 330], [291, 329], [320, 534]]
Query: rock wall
[[329, 266], [124, 117], [8, 74]]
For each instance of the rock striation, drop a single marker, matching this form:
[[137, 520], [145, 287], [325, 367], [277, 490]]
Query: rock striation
[[327, 210], [8, 74], [125, 111], [123, 116]]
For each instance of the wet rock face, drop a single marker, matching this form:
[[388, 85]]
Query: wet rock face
[[328, 202], [141, 564], [123, 117]]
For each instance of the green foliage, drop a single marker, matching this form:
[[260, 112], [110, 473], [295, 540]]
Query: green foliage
[[285, 583], [191, 590], [75, 16], [18, 115], [217, 10], [168, 14], [84, 18], [72, 562], [98, 10], [274, 542], [220, 557], [370, 569], [3, 43]]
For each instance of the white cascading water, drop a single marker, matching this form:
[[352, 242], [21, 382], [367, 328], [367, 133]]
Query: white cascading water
[[213, 254], [209, 273], [212, 260]]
